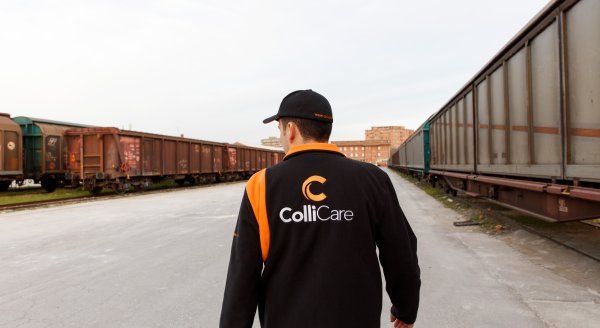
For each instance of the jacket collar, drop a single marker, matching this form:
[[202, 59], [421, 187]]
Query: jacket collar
[[327, 147]]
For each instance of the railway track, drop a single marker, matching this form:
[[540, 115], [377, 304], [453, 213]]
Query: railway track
[[588, 249], [41, 203], [578, 236], [593, 224]]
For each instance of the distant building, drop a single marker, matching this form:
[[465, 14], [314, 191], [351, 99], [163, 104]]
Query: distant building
[[370, 151], [379, 143], [394, 134], [271, 142]]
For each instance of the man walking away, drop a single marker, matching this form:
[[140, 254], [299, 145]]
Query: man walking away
[[305, 245]]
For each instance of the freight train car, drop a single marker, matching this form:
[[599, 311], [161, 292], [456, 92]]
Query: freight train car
[[119, 159], [44, 149], [11, 152], [525, 131], [412, 156]]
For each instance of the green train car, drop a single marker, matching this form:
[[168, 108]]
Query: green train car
[[44, 150], [413, 155]]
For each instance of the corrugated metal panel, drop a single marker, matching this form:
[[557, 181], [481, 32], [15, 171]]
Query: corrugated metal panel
[[148, 152], [74, 152], [460, 132], [195, 157], [183, 158], [91, 157], [518, 102], [207, 158], [170, 157], [157, 158], [131, 148], [230, 156], [497, 122], [546, 97], [218, 159], [583, 78], [470, 131], [483, 123], [10, 148], [48, 129]]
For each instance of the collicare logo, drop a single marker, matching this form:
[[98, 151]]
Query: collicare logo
[[312, 213], [306, 188]]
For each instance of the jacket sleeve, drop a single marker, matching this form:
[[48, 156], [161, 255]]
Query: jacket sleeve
[[244, 274], [398, 256]]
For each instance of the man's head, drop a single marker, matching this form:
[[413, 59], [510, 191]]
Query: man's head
[[304, 117], [296, 131]]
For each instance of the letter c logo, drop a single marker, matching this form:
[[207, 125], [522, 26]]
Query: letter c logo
[[283, 210], [306, 188]]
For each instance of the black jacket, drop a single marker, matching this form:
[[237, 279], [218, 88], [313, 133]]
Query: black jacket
[[305, 246]]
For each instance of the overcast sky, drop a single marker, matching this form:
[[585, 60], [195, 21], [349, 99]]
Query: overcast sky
[[214, 69]]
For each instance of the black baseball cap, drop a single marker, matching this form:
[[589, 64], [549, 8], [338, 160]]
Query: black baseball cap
[[304, 104]]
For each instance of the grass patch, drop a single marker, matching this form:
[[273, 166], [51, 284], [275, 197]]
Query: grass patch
[[488, 223], [19, 197], [473, 209], [164, 185], [529, 221], [440, 195], [35, 194]]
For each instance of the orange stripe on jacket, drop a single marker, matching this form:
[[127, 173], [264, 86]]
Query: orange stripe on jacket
[[256, 190]]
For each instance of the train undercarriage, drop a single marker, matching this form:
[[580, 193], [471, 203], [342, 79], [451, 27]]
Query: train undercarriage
[[548, 201]]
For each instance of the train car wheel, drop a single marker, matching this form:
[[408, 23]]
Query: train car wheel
[[96, 191], [4, 185], [119, 188], [49, 184], [143, 185]]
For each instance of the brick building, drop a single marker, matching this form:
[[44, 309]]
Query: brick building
[[379, 143], [394, 134], [371, 151]]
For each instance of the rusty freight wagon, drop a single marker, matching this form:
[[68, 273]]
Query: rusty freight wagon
[[44, 148], [11, 152], [254, 158], [119, 159]]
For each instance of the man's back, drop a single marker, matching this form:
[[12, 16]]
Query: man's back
[[319, 218]]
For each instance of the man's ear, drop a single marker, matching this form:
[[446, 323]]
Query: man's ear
[[292, 130]]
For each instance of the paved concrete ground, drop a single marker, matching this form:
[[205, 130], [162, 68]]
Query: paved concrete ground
[[159, 260]]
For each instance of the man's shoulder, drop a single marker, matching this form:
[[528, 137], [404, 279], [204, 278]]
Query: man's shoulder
[[256, 179], [342, 163]]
